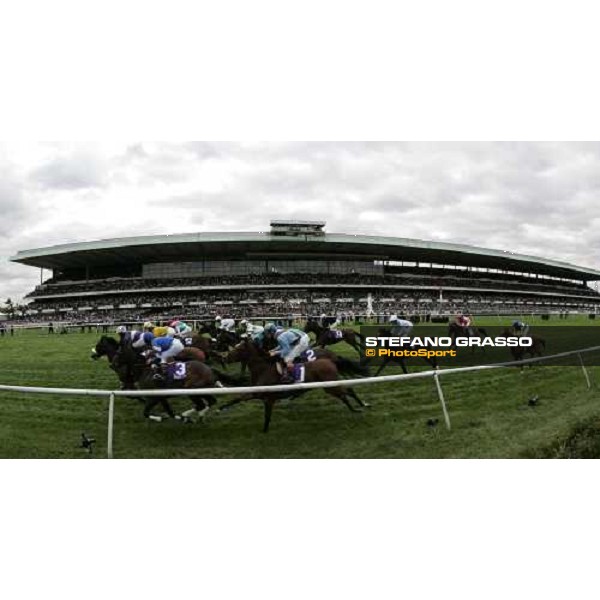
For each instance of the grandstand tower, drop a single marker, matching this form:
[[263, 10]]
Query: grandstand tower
[[298, 268]]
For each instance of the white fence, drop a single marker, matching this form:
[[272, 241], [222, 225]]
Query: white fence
[[436, 374]]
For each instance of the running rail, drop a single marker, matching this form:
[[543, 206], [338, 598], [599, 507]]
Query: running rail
[[436, 374]]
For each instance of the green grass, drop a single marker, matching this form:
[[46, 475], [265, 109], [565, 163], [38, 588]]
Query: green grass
[[489, 413]]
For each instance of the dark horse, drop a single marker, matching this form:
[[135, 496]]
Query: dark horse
[[327, 337], [519, 353], [197, 375], [134, 372], [400, 359], [124, 361], [263, 371], [455, 330]]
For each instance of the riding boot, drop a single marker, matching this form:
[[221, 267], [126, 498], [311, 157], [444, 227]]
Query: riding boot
[[287, 375]]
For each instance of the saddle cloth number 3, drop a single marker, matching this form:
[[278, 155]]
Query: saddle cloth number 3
[[179, 371]]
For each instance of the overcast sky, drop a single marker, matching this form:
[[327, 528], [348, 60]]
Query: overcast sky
[[535, 198]]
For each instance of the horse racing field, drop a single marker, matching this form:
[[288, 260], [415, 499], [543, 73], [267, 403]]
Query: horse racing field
[[489, 412]]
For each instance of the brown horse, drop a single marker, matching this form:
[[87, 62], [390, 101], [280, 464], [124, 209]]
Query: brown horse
[[400, 360], [455, 330], [134, 372], [263, 371], [520, 352], [197, 375], [327, 337], [205, 345]]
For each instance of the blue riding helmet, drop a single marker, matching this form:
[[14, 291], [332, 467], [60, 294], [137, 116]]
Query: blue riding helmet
[[270, 328]]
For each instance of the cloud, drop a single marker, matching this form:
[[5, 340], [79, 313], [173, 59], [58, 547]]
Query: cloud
[[536, 198]]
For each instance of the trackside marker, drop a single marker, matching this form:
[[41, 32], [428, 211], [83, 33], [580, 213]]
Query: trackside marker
[[438, 385], [111, 418]]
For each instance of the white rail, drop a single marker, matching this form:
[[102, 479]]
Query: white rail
[[247, 390]]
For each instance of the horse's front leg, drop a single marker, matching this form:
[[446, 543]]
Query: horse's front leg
[[268, 403], [151, 402], [354, 395]]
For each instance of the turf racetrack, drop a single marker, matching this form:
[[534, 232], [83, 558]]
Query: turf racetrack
[[489, 412]]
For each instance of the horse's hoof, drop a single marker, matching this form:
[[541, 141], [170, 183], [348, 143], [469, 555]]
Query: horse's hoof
[[155, 418], [367, 405]]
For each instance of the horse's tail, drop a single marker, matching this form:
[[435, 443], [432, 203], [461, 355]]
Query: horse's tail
[[347, 366]]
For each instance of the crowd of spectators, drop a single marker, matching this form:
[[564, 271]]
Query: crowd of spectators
[[449, 280], [254, 304]]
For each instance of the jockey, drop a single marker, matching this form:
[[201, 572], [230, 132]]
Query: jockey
[[163, 332], [400, 327], [140, 340], [520, 328], [124, 336], [291, 343], [272, 329], [182, 330], [167, 348], [336, 323], [225, 324], [148, 326], [250, 329], [463, 320]]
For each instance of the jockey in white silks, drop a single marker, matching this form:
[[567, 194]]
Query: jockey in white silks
[[250, 329], [167, 348], [225, 324], [400, 327]]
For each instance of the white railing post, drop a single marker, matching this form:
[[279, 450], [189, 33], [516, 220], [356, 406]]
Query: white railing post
[[585, 373], [111, 418], [440, 392]]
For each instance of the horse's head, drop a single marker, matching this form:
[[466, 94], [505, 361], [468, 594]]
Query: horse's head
[[106, 346], [241, 352]]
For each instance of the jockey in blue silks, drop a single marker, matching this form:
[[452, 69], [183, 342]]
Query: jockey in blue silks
[[291, 343]]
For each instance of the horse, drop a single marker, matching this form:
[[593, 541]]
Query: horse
[[344, 365], [124, 361], [263, 371], [193, 375], [520, 352], [327, 337], [455, 330], [400, 359], [132, 369]]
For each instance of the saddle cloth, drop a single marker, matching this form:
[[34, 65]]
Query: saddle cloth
[[178, 370], [299, 373]]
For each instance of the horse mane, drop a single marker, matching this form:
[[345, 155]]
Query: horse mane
[[109, 340]]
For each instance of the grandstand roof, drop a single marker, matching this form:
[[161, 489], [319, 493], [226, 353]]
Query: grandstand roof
[[195, 246]]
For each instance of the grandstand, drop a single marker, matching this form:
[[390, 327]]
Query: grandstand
[[295, 268]]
